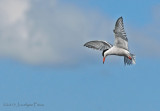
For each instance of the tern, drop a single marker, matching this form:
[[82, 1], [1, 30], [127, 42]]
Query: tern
[[120, 47]]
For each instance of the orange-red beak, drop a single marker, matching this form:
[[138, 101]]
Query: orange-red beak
[[103, 60]]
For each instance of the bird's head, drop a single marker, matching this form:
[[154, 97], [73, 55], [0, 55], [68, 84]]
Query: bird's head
[[104, 56]]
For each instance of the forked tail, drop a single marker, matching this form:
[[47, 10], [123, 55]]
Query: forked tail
[[128, 61]]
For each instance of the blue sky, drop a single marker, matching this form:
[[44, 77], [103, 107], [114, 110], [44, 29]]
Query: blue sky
[[43, 59]]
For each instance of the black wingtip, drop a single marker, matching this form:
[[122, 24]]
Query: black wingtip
[[120, 17]]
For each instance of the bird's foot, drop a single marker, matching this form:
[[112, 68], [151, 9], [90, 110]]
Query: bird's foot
[[130, 57]]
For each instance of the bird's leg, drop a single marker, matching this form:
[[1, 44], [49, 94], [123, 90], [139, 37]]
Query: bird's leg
[[130, 57]]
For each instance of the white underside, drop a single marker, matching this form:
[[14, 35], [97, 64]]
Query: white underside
[[119, 52]]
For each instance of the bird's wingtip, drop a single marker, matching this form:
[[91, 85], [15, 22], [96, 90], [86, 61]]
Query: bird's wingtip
[[120, 17], [85, 44]]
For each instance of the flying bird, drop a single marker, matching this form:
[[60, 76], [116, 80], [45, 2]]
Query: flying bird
[[120, 47]]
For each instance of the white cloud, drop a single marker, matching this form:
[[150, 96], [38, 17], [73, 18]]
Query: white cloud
[[40, 31], [12, 11], [47, 32]]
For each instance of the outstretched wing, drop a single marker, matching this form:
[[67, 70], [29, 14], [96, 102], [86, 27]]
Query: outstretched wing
[[98, 45], [120, 35]]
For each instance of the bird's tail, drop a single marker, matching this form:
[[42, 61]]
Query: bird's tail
[[133, 59], [127, 61]]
